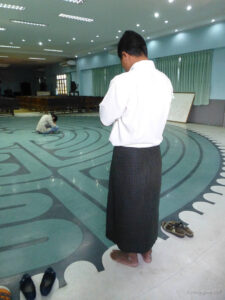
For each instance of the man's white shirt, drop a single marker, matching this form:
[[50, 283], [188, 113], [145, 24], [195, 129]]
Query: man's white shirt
[[137, 104], [45, 123]]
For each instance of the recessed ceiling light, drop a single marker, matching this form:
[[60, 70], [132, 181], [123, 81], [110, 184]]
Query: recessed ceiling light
[[105, 48], [92, 41], [73, 38], [121, 31], [176, 30], [143, 30], [75, 1], [89, 52], [117, 37], [3, 56], [23, 40], [53, 50], [76, 56], [37, 58], [76, 18], [97, 36], [11, 43], [170, 1], [6, 46], [213, 20], [148, 38], [40, 43], [156, 14], [138, 25], [2, 29], [49, 40], [189, 7], [28, 23], [166, 21], [68, 42], [17, 7]]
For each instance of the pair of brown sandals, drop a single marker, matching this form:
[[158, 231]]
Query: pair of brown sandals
[[177, 228]]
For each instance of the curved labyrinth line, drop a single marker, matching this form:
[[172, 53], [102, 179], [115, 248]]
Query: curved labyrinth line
[[185, 177], [68, 173]]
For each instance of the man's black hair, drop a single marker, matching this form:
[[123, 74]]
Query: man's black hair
[[54, 117], [132, 43]]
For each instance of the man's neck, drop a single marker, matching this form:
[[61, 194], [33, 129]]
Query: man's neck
[[136, 59]]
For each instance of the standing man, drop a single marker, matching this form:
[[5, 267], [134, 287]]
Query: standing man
[[47, 124], [137, 104]]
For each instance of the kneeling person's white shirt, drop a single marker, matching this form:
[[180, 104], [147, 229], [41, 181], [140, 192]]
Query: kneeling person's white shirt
[[137, 104], [45, 123]]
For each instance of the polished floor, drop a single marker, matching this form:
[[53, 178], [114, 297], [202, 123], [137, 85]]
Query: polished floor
[[53, 191]]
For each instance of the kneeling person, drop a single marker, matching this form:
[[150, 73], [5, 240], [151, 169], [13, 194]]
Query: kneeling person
[[47, 124]]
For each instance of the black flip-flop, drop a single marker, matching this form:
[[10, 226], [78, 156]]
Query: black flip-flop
[[27, 287], [47, 281]]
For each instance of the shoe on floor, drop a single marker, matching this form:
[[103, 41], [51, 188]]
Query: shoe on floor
[[5, 293], [47, 281], [177, 228], [187, 230], [173, 228], [27, 287]]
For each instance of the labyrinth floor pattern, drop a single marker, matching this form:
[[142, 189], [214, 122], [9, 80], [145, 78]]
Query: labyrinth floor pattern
[[53, 191]]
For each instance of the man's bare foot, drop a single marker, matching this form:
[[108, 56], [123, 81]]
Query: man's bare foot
[[128, 259], [147, 256]]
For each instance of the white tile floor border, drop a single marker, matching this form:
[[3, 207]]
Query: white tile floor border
[[187, 269]]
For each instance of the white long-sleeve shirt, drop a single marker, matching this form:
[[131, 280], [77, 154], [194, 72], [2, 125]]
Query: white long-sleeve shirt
[[45, 124], [137, 104]]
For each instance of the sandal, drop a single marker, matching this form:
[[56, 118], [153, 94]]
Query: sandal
[[172, 227], [5, 293], [187, 230]]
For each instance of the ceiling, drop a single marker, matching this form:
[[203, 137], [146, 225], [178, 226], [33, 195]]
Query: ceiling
[[79, 38]]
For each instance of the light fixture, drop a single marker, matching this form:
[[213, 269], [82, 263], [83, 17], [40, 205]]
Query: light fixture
[[213, 20], [121, 31], [143, 30], [73, 38], [89, 53], [105, 48], [53, 50], [176, 30], [156, 14], [68, 42], [11, 43], [37, 58], [3, 56], [49, 40], [9, 6], [117, 37], [23, 40], [75, 1], [170, 1], [189, 7], [76, 56], [40, 43], [166, 21], [92, 41], [2, 29], [7, 46], [138, 25], [28, 23], [148, 38], [97, 36], [76, 18]]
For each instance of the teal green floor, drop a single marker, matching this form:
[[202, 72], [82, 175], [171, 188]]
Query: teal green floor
[[53, 190]]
